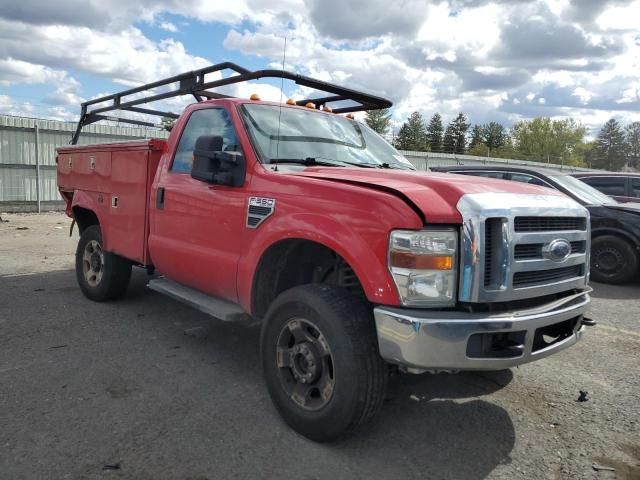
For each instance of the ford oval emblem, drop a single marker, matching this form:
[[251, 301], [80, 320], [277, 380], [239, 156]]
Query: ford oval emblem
[[557, 250]]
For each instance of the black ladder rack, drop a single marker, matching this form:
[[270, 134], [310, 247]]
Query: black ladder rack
[[192, 83]]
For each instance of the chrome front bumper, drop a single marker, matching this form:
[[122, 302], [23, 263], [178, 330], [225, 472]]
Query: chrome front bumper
[[432, 340]]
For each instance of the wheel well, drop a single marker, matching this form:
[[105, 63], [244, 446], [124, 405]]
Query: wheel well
[[84, 218], [616, 233], [294, 262]]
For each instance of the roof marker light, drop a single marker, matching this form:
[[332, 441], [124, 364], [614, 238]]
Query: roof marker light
[[310, 105], [255, 97], [291, 101], [350, 116]]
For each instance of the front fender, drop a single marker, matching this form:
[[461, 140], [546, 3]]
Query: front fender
[[365, 251], [597, 232]]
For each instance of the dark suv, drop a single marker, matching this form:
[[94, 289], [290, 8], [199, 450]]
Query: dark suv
[[615, 227], [624, 187]]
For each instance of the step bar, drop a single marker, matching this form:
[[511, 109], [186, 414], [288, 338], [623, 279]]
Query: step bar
[[216, 307]]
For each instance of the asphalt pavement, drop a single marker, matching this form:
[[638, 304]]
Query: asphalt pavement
[[147, 388]]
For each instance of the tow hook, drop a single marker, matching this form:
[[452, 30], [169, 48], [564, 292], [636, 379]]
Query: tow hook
[[588, 322]]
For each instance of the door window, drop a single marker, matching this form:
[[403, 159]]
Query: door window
[[530, 179], [499, 175], [607, 185], [635, 187], [210, 121]]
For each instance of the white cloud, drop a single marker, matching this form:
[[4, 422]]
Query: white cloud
[[9, 106], [168, 26], [583, 94], [621, 17], [14, 71], [127, 57], [481, 57]]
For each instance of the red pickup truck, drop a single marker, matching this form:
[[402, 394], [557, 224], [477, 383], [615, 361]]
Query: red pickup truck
[[305, 219]]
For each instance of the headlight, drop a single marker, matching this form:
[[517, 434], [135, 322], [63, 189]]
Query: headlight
[[423, 266]]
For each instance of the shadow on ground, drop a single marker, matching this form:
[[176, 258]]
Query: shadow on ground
[[164, 391], [630, 291]]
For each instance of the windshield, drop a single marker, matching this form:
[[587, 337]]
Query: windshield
[[584, 192], [308, 134]]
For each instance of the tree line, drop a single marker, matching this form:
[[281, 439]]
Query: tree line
[[540, 139]]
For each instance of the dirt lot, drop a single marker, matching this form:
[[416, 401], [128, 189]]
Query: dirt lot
[[148, 388]]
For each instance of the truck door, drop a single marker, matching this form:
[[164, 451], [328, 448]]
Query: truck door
[[197, 227]]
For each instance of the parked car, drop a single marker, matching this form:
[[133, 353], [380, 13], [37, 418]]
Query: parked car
[[308, 221], [615, 227], [622, 186]]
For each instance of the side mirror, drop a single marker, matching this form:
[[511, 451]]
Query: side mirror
[[212, 165]]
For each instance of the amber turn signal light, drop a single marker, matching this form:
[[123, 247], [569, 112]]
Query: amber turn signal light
[[420, 262]]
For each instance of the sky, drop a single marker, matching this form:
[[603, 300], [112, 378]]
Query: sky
[[501, 60]]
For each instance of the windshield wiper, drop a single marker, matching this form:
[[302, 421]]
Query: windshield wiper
[[392, 166], [312, 161]]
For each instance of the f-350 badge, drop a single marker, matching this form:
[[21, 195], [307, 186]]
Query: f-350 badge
[[259, 210]]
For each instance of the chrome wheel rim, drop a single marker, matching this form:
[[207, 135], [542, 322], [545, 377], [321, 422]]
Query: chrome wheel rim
[[305, 364], [93, 263]]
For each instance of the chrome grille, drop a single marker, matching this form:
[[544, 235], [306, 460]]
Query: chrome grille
[[549, 224], [530, 251], [507, 242], [540, 277]]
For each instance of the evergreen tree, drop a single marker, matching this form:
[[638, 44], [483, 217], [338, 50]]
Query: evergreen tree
[[449, 140], [476, 136], [412, 135], [455, 136], [435, 131], [632, 134], [378, 120], [167, 123], [610, 147], [494, 135]]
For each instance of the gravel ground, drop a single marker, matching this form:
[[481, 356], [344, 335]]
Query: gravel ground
[[148, 388]]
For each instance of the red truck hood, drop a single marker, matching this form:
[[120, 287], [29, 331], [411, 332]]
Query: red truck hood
[[435, 195]]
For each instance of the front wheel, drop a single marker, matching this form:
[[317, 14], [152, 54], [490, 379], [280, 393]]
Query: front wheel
[[101, 275], [613, 260], [321, 361]]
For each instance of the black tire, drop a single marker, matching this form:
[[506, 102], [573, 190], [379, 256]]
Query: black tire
[[359, 373], [108, 275], [613, 260]]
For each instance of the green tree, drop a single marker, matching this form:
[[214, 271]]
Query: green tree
[[378, 120], [455, 136], [412, 134], [167, 123], [632, 137], [610, 148], [493, 136], [549, 141], [476, 137], [435, 131]]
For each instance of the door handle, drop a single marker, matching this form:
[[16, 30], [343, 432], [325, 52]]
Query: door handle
[[160, 198]]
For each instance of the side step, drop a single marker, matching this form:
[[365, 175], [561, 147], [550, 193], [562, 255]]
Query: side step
[[216, 307]]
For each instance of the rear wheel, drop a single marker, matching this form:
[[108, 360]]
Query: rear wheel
[[101, 275], [321, 362], [613, 260]]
